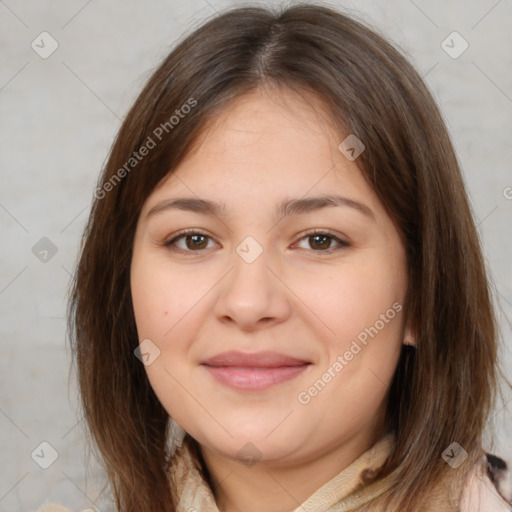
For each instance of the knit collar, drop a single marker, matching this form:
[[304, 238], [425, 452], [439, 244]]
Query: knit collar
[[343, 493]]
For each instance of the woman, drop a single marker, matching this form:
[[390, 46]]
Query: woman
[[281, 303]]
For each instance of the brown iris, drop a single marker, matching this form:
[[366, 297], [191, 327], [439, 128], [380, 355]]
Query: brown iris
[[324, 241], [196, 242]]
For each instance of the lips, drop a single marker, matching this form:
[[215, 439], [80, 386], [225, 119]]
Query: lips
[[253, 372], [257, 360]]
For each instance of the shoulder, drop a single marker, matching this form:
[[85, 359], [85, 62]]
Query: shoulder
[[489, 487]]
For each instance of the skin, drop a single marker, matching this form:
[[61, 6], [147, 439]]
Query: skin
[[294, 298]]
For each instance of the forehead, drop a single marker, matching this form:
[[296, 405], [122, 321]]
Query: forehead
[[263, 147], [276, 115]]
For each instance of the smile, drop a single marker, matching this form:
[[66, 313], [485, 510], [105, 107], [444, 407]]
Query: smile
[[254, 372]]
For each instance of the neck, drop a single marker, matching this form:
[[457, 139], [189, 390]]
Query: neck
[[279, 487]]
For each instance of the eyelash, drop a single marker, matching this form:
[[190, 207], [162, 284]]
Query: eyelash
[[341, 243]]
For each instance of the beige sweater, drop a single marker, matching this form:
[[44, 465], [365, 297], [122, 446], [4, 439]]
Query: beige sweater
[[486, 491], [345, 492]]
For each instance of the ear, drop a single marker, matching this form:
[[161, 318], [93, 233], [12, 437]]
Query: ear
[[409, 337]]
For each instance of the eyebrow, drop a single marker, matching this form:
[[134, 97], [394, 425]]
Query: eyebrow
[[284, 209]]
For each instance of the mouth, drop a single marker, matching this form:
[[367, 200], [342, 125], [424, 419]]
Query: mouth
[[254, 372]]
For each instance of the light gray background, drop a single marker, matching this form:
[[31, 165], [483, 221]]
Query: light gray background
[[58, 119]]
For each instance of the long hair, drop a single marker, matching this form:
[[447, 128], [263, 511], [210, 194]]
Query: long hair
[[443, 391]]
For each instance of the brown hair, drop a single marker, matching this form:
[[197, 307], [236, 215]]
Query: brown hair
[[443, 391]]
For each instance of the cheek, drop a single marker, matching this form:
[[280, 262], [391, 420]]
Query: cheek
[[166, 304], [162, 297], [361, 307], [351, 298], [150, 305]]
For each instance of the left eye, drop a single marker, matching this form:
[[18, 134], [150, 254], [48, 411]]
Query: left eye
[[322, 241], [195, 242]]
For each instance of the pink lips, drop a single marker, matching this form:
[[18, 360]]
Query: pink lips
[[253, 372]]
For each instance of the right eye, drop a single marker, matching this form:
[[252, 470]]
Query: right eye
[[194, 241]]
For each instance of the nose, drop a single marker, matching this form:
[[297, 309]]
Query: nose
[[251, 296]]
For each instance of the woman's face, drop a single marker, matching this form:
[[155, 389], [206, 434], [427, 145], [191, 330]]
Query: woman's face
[[256, 330]]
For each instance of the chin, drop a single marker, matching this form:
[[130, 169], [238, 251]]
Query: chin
[[253, 445]]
